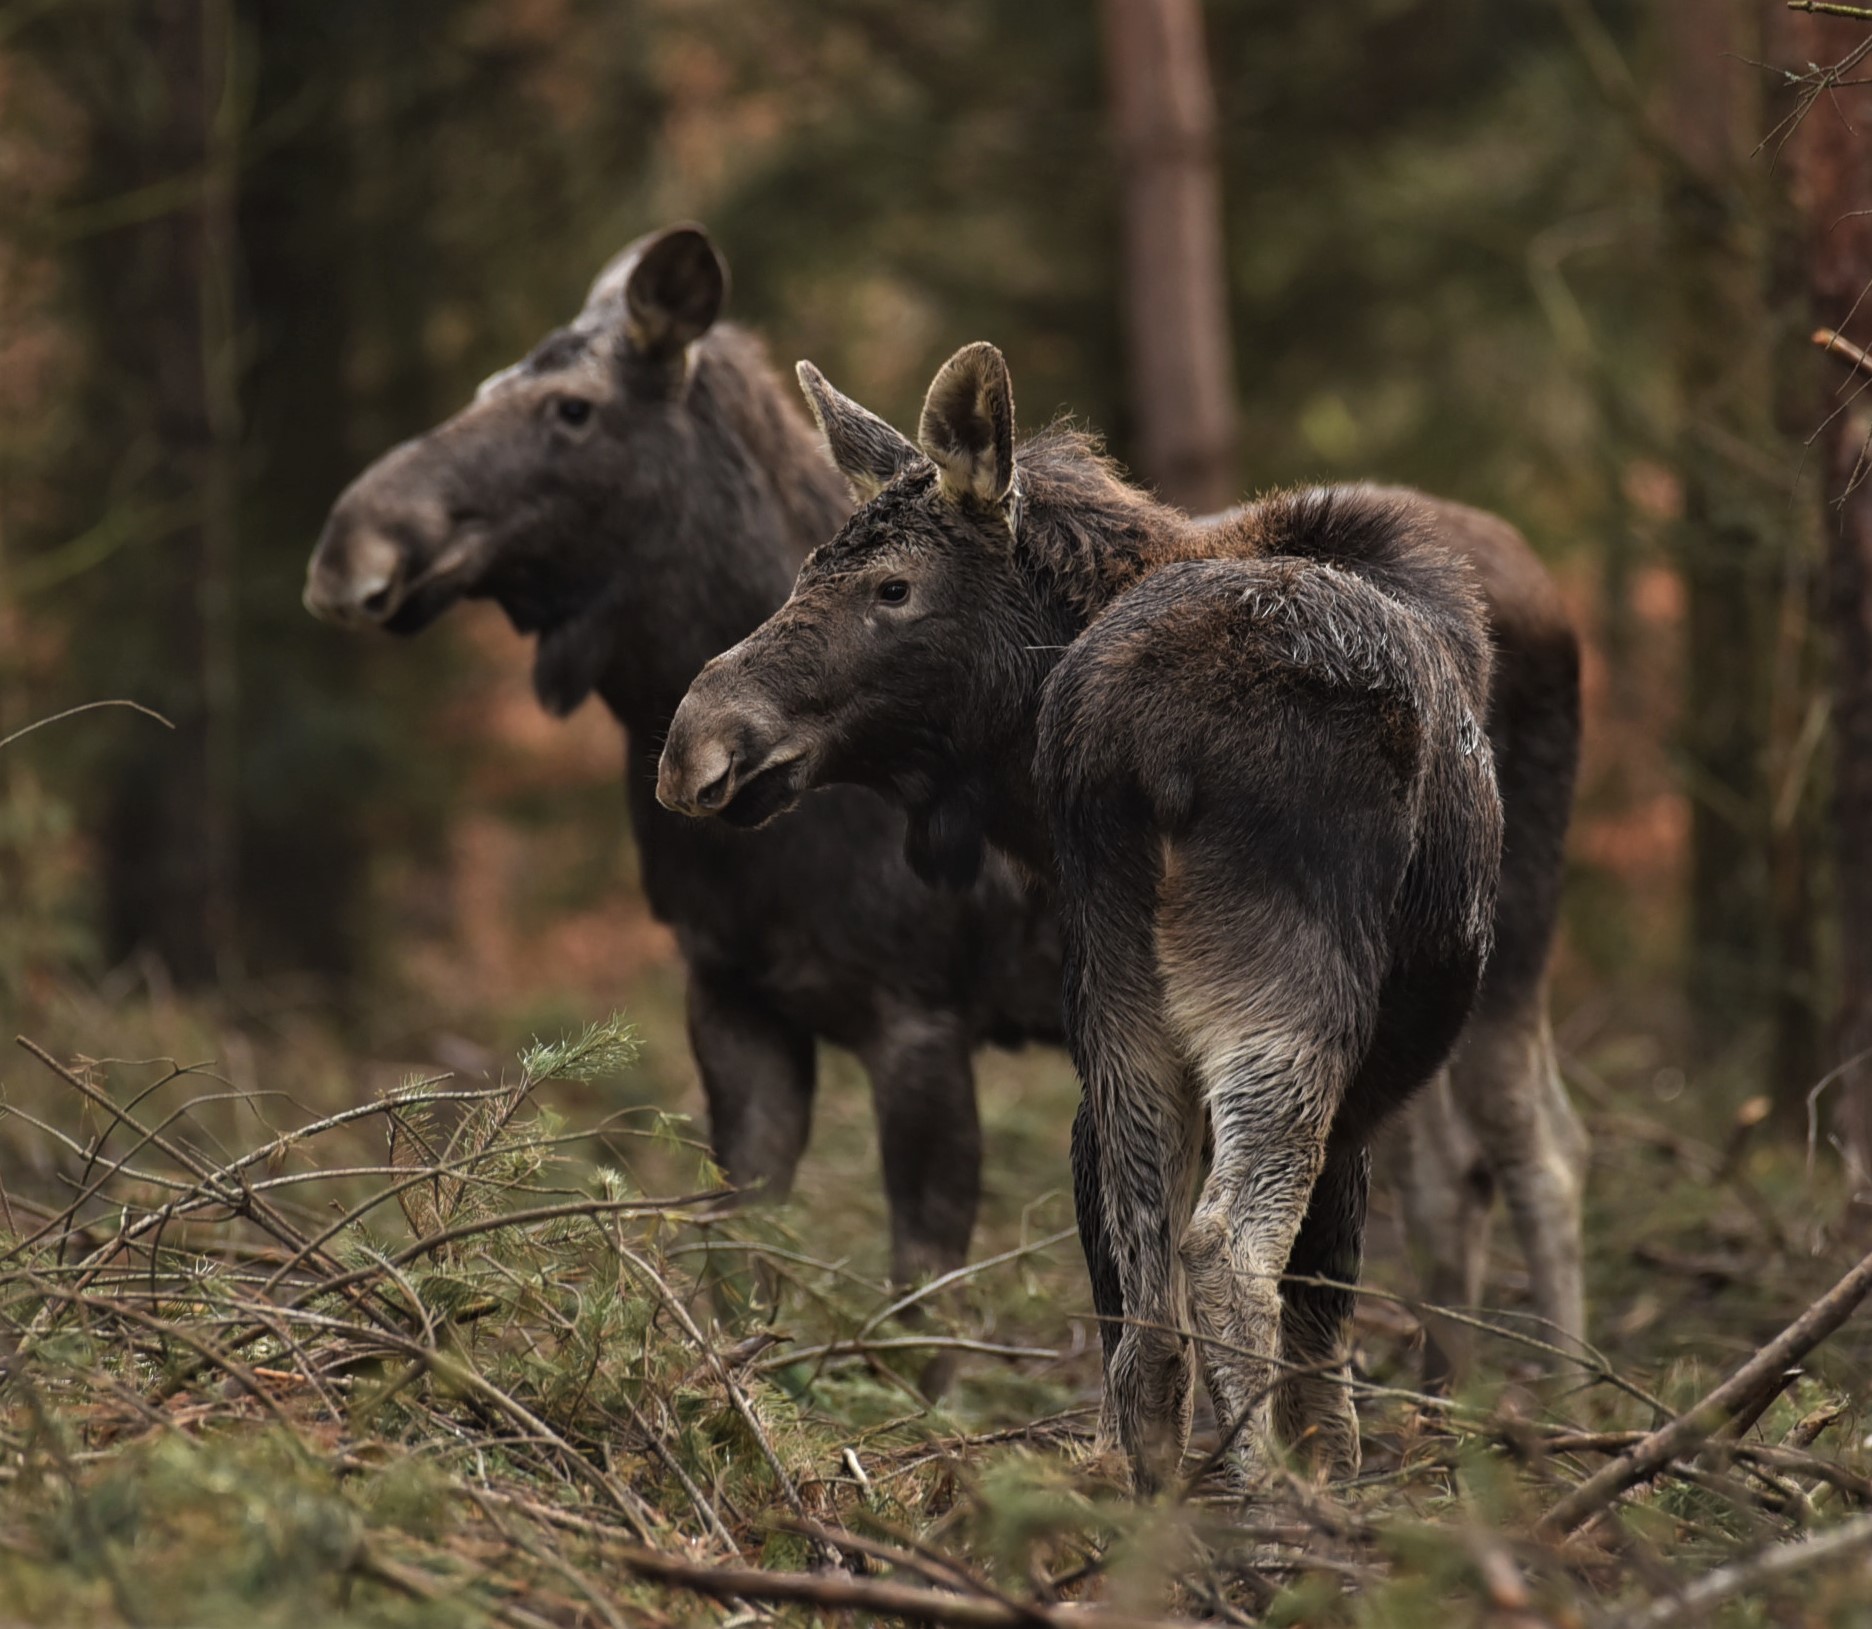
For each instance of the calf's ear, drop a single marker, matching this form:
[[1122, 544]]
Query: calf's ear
[[968, 425], [674, 287], [868, 452]]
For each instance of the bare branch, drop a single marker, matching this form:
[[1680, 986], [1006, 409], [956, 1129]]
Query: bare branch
[[1831, 8], [85, 707], [1690, 1429]]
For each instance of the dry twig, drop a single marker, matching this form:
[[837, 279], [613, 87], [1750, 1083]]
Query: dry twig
[[1767, 1368]]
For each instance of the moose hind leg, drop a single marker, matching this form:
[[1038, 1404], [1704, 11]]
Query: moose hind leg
[[1138, 1147], [1275, 1020], [1507, 1085], [1101, 1260], [1447, 1192], [1313, 1409], [1270, 1135], [1149, 1146]]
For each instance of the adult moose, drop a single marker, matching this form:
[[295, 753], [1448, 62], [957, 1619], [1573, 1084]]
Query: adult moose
[[638, 493], [1249, 752]]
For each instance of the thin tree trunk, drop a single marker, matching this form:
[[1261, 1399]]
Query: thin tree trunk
[[164, 325], [219, 589], [1175, 273], [1729, 544], [1849, 582], [1831, 158]]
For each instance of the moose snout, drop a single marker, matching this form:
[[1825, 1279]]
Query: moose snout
[[356, 578], [718, 744], [697, 782], [698, 770]]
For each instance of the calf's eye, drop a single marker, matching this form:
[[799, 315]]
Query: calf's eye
[[894, 591], [574, 410]]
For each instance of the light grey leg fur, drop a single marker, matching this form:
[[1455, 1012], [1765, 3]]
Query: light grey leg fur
[[1148, 1125], [1273, 1058], [1150, 1149], [1506, 1084], [1447, 1192], [1270, 1135]]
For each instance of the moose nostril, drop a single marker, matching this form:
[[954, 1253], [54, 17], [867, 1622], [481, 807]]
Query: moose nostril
[[375, 604], [715, 794]]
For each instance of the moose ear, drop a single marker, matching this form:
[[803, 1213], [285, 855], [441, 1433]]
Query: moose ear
[[968, 424], [674, 286], [868, 452]]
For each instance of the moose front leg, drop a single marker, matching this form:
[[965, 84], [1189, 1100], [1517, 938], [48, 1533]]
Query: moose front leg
[[757, 1076], [929, 1131]]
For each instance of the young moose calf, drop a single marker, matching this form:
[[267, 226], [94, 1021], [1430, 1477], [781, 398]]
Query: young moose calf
[[1249, 753]]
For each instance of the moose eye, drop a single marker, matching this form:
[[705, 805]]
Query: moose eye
[[894, 591], [573, 410]]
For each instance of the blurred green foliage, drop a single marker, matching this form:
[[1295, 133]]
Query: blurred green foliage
[[1446, 262]]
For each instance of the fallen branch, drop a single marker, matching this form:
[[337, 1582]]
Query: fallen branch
[[835, 1592], [1690, 1429], [371, 1563], [941, 1571]]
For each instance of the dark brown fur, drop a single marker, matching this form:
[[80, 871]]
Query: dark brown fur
[[1249, 750], [636, 535]]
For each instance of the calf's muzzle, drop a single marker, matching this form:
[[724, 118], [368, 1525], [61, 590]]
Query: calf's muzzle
[[727, 757]]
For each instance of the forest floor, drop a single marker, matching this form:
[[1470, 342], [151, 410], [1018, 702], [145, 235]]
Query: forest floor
[[289, 1339]]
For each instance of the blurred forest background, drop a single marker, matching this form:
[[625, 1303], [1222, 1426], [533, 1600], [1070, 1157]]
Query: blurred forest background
[[1541, 257]]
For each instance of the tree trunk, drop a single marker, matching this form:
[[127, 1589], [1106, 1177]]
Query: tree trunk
[[1175, 273], [217, 422], [1730, 546], [222, 113], [169, 863], [1831, 158]]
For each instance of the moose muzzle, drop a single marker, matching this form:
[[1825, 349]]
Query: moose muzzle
[[723, 758], [355, 578]]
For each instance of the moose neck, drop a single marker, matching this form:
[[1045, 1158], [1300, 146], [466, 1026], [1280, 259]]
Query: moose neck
[[717, 553], [1085, 536]]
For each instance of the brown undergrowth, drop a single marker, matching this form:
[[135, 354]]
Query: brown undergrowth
[[424, 1361]]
